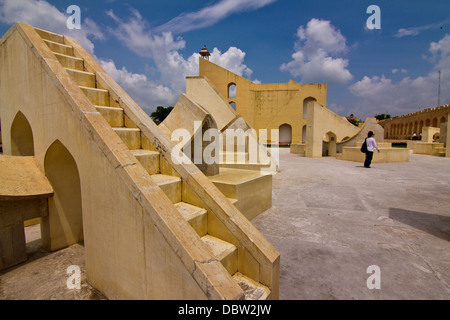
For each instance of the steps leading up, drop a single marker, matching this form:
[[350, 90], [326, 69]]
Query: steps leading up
[[82, 78], [59, 47], [148, 159], [231, 182], [224, 251], [170, 185], [70, 61], [196, 216], [252, 290], [114, 116], [251, 189], [130, 136]]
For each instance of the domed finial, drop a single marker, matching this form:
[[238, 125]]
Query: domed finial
[[205, 53]]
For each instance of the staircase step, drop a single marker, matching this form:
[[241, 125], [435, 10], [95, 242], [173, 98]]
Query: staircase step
[[59, 47], [148, 159], [82, 78], [224, 251], [47, 35], [234, 157], [114, 116], [98, 97], [170, 185], [70, 62], [131, 137], [252, 290], [196, 216], [251, 188]]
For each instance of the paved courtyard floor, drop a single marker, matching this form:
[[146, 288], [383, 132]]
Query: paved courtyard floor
[[331, 220]]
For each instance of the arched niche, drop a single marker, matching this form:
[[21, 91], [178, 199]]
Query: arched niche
[[22, 142], [63, 226]]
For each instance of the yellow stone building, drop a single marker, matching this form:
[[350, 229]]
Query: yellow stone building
[[403, 127], [267, 106]]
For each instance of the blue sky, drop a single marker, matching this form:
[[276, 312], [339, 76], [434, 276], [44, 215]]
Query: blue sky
[[149, 47]]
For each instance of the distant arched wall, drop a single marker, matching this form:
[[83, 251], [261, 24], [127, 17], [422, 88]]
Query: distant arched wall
[[64, 225], [22, 142]]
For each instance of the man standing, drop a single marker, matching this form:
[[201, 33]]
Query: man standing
[[371, 146]]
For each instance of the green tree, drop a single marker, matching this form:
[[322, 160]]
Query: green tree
[[382, 116], [353, 120], [160, 114]]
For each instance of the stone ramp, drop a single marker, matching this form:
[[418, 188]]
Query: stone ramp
[[174, 243]]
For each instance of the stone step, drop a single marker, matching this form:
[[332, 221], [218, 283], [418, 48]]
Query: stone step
[[148, 159], [234, 157], [114, 116], [82, 78], [98, 97], [47, 35], [252, 189], [246, 166], [252, 290], [70, 62], [442, 152], [224, 251], [59, 47], [170, 185], [196, 216], [130, 136]]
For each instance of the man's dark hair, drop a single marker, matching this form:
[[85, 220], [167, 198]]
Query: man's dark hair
[[370, 134]]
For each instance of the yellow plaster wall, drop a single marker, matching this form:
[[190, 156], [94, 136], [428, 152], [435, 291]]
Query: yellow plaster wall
[[322, 121], [265, 106]]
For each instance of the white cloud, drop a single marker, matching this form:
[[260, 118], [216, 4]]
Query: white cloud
[[414, 31], [41, 14], [395, 71], [136, 35], [232, 60], [147, 94], [165, 51], [312, 61], [163, 48], [409, 94], [211, 14]]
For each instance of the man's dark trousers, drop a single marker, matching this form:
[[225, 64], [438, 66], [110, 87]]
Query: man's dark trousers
[[369, 157]]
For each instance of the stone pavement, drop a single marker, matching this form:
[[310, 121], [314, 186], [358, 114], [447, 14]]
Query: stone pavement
[[330, 221]]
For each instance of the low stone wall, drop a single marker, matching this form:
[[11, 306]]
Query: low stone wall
[[385, 155], [429, 148], [298, 148]]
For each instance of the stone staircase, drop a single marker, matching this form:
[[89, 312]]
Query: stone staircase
[[441, 151], [156, 166]]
